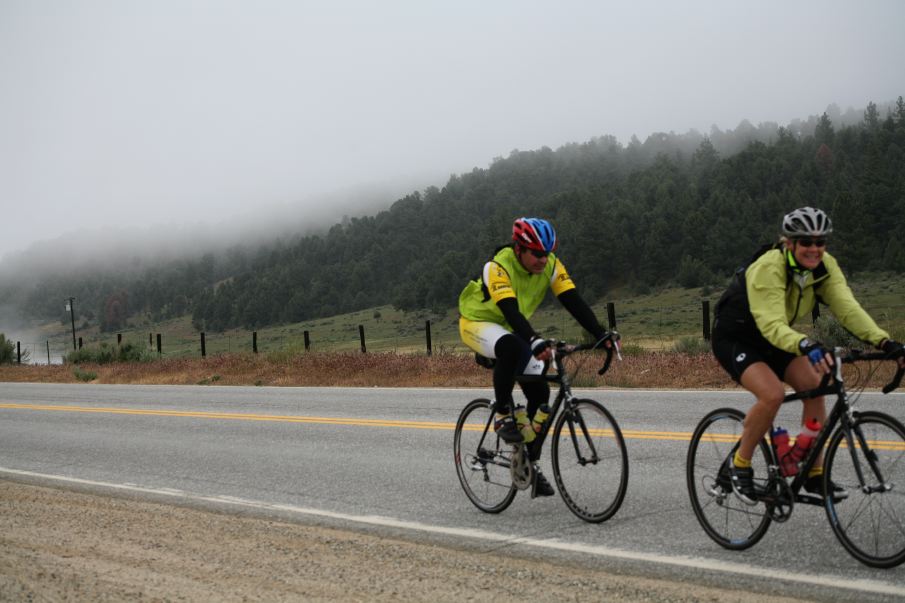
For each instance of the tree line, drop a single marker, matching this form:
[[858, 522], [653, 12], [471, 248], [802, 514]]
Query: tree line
[[675, 209]]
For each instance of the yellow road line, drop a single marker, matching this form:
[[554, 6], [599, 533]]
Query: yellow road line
[[629, 434], [235, 416]]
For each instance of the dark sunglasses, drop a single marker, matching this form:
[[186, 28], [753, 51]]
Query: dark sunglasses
[[539, 254], [811, 242]]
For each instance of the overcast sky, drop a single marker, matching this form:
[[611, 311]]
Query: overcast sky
[[134, 113]]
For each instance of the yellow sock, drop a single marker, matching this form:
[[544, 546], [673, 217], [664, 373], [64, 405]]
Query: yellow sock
[[739, 462], [815, 471]]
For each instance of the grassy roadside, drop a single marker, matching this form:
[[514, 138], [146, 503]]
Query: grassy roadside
[[387, 369], [354, 369]]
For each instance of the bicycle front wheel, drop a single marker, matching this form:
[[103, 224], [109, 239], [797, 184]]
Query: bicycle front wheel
[[726, 519], [870, 522], [482, 458], [590, 462]]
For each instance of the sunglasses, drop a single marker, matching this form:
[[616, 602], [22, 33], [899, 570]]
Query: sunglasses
[[811, 242], [539, 254]]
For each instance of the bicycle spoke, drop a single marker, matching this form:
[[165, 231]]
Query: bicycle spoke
[[482, 463], [590, 462], [725, 518], [870, 523]]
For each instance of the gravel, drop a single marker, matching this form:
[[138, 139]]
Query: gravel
[[61, 545]]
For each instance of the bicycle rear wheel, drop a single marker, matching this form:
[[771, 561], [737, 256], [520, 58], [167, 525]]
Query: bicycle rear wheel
[[482, 458], [870, 523], [590, 462], [726, 519]]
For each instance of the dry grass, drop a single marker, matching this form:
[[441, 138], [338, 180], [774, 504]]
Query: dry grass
[[639, 370], [363, 370]]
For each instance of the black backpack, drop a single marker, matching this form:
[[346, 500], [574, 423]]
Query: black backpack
[[732, 312]]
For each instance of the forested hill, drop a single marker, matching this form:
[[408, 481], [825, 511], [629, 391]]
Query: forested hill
[[646, 214]]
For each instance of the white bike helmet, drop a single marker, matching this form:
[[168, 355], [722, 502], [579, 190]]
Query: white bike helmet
[[806, 222]]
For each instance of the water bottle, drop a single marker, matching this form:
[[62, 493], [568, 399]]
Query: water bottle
[[540, 417], [781, 442], [803, 442], [524, 425]]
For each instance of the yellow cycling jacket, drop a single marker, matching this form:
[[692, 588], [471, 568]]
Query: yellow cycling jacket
[[504, 277], [779, 294]]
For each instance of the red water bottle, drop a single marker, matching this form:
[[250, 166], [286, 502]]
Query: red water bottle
[[803, 442], [781, 443]]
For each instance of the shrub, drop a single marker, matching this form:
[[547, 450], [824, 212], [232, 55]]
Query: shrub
[[692, 345], [830, 332], [105, 354], [632, 349], [84, 375], [8, 351]]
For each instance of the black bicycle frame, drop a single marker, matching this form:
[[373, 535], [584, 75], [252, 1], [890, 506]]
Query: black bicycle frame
[[563, 395], [841, 413]]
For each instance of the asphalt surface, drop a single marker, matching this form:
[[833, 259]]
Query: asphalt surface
[[380, 460]]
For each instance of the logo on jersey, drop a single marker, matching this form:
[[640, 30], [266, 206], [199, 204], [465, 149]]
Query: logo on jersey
[[741, 357]]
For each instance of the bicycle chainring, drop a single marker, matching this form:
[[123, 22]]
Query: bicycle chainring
[[521, 468], [779, 499]]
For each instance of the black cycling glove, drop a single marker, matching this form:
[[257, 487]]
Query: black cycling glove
[[814, 350], [893, 348]]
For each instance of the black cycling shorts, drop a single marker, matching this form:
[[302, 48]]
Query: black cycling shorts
[[737, 354]]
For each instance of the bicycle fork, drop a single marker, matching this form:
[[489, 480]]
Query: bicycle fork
[[854, 431]]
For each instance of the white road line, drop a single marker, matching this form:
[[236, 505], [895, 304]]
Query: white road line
[[700, 563]]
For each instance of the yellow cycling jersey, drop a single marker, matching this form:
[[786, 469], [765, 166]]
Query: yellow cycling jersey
[[504, 277]]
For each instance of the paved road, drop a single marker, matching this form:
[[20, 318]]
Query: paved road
[[381, 459]]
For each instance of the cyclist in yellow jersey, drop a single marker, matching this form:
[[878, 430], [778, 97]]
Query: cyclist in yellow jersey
[[754, 341], [494, 311]]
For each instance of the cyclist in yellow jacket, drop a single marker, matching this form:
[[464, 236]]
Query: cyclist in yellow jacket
[[494, 311], [754, 341]]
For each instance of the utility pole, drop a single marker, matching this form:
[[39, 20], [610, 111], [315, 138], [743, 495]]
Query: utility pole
[[71, 307]]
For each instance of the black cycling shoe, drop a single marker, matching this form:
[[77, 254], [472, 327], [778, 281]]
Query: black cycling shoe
[[814, 485], [506, 428], [541, 486], [742, 479]]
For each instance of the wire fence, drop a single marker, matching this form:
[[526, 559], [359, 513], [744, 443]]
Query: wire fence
[[655, 327]]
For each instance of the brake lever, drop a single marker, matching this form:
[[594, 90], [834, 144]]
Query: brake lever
[[896, 381], [615, 346]]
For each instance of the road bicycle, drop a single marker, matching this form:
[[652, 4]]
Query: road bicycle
[[588, 454], [864, 452]]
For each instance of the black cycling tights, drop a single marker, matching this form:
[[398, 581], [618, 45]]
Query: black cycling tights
[[512, 355]]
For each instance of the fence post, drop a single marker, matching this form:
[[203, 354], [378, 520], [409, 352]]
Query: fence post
[[254, 342], [427, 331], [307, 342], [203, 348], [119, 339], [611, 315], [705, 309], [48, 351], [80, 343], [159, 347], [361, 335], [18, 352]]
